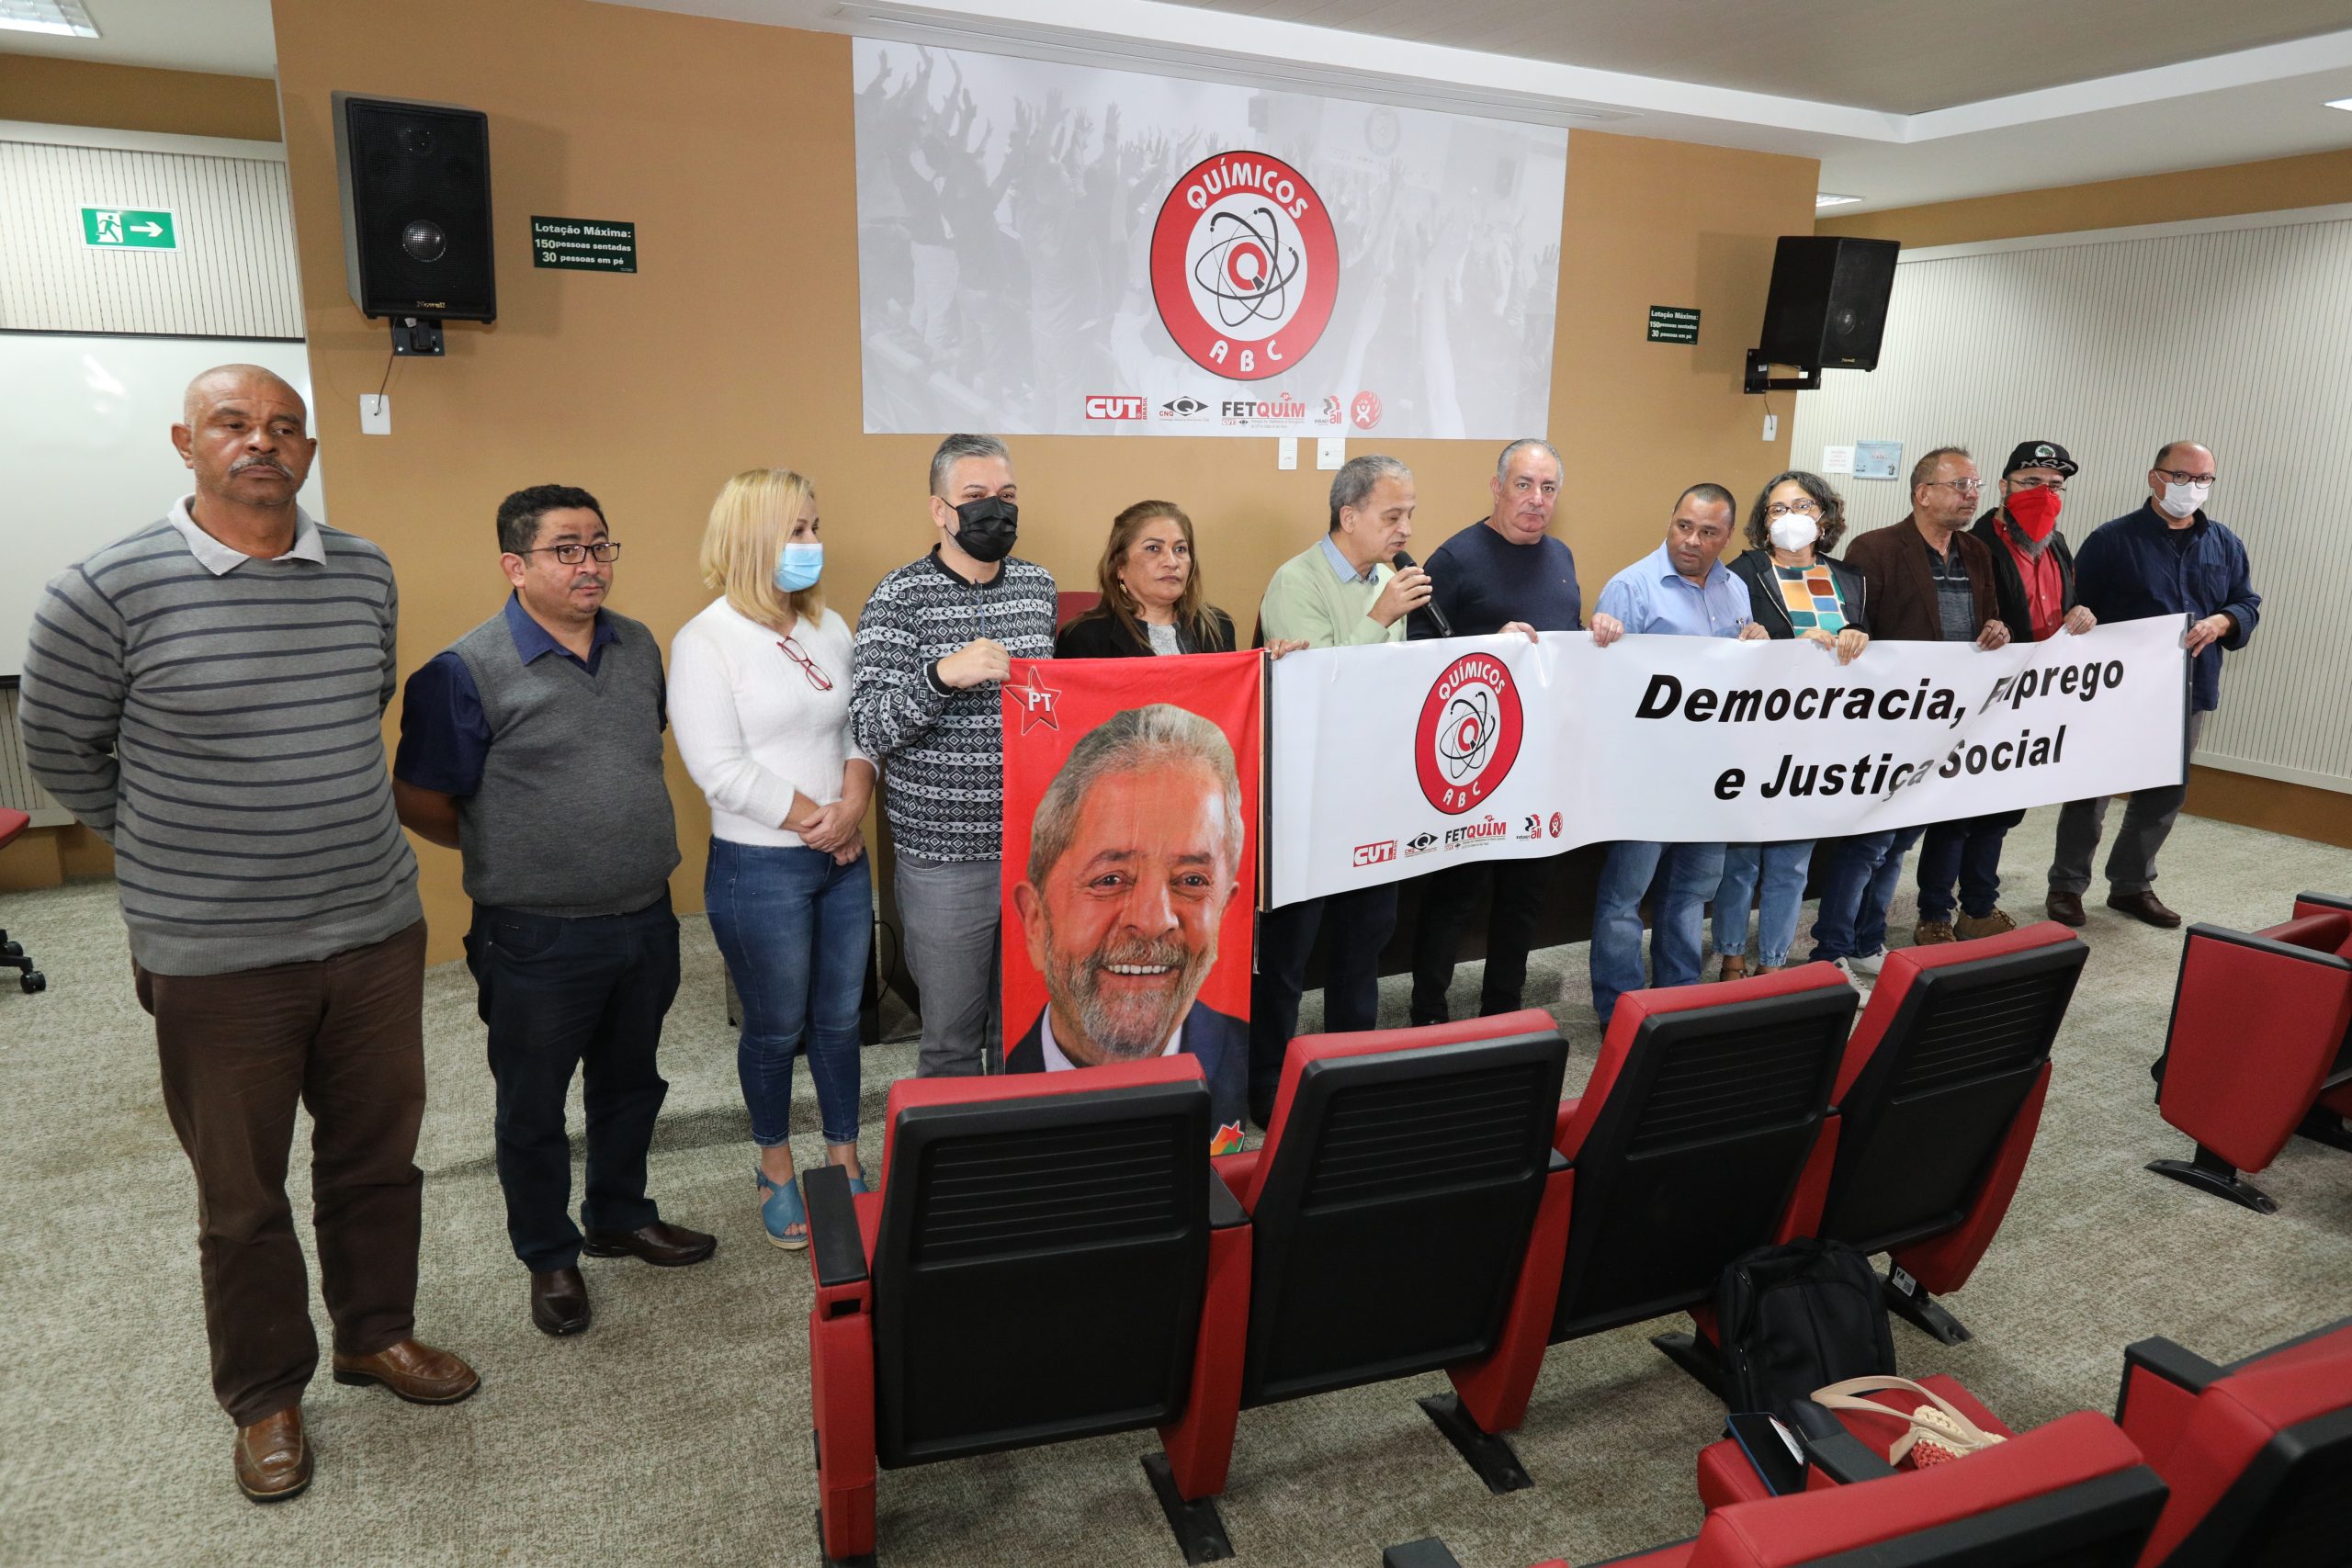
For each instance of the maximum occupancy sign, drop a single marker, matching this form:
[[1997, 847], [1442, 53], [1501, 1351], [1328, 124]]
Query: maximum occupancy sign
[[1244, 266]]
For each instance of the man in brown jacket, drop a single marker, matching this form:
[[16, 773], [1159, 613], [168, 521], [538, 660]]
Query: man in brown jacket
[[1932, 580]]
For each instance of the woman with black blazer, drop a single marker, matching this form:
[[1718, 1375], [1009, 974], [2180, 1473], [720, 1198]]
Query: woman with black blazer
[[1153, 600], [1794, 591]]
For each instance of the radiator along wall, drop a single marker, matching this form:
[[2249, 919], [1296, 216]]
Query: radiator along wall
[[2233, 332]]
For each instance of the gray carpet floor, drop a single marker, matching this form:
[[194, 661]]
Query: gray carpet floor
[[676, 1430]]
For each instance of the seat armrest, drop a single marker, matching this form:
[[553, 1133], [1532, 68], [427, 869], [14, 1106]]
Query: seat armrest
[[1427, 1553], [1833, 1451], [2184, 1368], [1225, 1209], [836, 1251]]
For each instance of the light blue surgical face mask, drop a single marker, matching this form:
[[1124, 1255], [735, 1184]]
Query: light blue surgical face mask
[[799, 565]]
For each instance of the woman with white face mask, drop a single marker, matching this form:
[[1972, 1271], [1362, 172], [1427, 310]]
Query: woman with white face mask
[[1797, 591], [759, 700]]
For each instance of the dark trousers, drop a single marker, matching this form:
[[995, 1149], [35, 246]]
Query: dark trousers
[[1967, 852], [1449, 899], [1360, 924], [560, 994], [344, 1037]]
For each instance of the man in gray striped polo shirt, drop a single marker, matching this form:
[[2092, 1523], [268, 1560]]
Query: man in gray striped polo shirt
[[208, 695]]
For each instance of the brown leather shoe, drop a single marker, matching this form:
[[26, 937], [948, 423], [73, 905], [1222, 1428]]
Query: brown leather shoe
[[1970, 927], [417, 1372], [274, 1457], [663, 1246], [559, 1301], [2144, 906], [2067, 909], [1929, 932]]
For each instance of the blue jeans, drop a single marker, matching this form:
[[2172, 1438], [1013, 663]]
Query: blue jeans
[[1857, 886], [1691, 872], [794, 929], [1968, 853], [1782, 867]]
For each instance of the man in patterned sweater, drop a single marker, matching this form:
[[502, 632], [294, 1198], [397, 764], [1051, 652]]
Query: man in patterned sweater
[[208, 695], [935, 639]]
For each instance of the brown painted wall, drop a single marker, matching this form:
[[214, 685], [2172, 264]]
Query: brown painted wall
[[127, 97], [2315, 179], [729, 146]]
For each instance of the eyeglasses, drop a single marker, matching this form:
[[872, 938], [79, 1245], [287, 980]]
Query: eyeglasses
[[2055, 486], [1799, 508], [1965, 487], [817, 677], [2178, 478], [572, 554]]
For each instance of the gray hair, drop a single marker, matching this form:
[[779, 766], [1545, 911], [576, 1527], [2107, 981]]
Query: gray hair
[[1356, 478], [1503, 461], [954, 450], [1924, 470], [1157, 736]]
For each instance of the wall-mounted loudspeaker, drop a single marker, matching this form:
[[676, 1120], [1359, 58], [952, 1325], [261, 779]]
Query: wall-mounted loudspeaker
[[1827, 307], [417, 232]]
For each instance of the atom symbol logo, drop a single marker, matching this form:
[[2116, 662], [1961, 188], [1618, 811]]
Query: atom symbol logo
[[1245, 266], [1469, 733], [1238, 270]]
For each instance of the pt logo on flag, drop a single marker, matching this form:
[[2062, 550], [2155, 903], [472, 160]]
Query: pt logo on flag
[[1469, 733], [1244, 266], [1034, 700]]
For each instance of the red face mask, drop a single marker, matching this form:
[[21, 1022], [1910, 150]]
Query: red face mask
[[2035, 510]]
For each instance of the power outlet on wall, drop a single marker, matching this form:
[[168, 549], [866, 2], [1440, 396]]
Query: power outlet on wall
[[375, 413], [1771, 425]]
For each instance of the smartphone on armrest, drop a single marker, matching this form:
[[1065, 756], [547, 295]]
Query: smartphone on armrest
[[1772, 1449]]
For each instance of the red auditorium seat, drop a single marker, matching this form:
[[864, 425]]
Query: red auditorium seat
[[1391, 1211], [2074, 1493], [1684, 1151], [1071, 605], [1936, 1109], [2256, 1455], [2326, 1122], [2261, 1039], [941, 1327], [13, 823]]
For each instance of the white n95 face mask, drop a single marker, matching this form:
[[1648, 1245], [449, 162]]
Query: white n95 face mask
[[2182, 500], [1794, 531]]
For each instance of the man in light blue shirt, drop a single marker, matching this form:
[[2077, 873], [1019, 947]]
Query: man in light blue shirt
[[1681, 589]]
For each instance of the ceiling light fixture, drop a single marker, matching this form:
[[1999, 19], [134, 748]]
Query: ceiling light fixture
[[1826, 199], [2339, 103], [65, 19]]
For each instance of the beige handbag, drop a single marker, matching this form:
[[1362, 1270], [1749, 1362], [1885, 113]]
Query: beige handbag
[[1938, 1432]]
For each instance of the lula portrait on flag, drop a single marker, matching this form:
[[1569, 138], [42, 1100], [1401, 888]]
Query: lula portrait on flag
[[1130, 838]]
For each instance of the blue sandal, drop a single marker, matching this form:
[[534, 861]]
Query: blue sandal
[[780, 1208]]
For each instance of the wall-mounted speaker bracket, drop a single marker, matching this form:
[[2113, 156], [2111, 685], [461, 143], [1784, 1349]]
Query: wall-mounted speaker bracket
[[1761, 379], [417, 334]]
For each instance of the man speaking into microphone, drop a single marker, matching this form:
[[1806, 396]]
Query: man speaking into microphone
[[1349, 589]]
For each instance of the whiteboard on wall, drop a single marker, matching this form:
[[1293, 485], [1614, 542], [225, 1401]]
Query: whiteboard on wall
[[86, 448]]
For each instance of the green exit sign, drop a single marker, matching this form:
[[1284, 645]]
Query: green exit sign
[[130, 229]]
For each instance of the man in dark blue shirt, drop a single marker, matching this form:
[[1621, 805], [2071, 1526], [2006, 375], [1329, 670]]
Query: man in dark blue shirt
[[1503, 573], [2167, 558]]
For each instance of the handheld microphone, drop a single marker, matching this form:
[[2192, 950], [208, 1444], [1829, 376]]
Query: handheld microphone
[[1436, 615]]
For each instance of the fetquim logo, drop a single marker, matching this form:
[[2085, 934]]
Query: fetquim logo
[[1244, 266], [1469, 733], [1481, 831]]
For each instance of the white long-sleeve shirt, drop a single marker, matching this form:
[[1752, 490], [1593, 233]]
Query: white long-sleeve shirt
[[751, 725]]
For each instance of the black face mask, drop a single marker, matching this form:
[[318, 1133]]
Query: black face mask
[[986, 528]]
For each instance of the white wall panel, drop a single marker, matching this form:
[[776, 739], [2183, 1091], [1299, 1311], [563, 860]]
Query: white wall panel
[[232, 276], [2236, 333]]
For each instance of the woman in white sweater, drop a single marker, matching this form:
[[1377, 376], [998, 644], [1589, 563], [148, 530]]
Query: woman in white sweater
[[759, 700]]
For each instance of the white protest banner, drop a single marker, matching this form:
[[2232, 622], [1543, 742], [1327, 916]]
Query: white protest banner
[[1056, 248], [1396, 759]]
